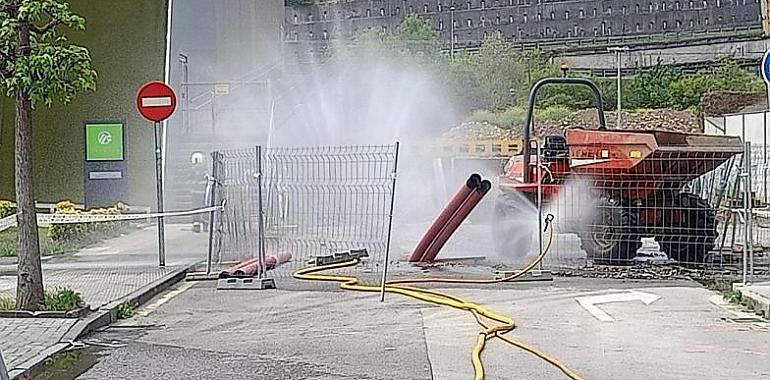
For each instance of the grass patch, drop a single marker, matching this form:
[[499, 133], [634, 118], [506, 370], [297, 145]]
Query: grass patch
[[62, 299], [7, 303], [48, 246], [58, 299], [725, 288], [125, 310]]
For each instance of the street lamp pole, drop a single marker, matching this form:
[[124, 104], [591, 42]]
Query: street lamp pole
[[619, 109], [185, 91], [452, 31]]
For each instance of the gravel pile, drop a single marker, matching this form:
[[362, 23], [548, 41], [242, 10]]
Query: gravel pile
[[640, 272], [662, 119], [473, 130], [727, 102]]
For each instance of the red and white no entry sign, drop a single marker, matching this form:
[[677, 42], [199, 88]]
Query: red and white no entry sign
[[156, 101]]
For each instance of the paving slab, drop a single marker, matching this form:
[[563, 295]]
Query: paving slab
[[23, 338], [98, 287]]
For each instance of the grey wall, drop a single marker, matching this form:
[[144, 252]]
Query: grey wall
[[524, 20], [127, 41], [225, 42]]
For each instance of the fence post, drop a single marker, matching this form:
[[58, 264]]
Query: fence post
[[746, 173], [390, 226], [261, 236], [213, 183], [539, 201], [750, 214], [764, 158]]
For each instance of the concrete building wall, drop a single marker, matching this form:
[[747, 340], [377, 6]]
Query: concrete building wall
[[229, 43], [645, 57], [126, 39], [523, 20]]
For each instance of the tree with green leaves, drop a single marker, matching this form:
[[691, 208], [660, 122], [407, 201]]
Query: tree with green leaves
[[37, 65], [414, 38], [652, 88], [487, 78], [723, 75]]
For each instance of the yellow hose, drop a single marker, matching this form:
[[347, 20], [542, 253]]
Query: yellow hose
[[505, 324]]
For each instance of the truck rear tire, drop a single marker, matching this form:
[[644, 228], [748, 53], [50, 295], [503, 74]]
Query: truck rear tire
[[693, 230], [611, 237]]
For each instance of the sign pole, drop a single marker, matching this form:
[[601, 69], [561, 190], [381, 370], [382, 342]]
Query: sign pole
[[159, 179], [156, 101], [765, 71]]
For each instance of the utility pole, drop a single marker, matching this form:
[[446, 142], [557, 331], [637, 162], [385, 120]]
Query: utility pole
[[452, 31], [183, 59], [619, 110]]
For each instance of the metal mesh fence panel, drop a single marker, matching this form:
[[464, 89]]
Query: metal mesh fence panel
[[316, 201], [238, 227], [319, 201]]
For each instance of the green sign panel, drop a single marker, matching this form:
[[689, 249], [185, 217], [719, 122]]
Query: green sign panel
[[104, 142]]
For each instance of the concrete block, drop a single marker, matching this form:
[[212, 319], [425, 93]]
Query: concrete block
[[245, 283]]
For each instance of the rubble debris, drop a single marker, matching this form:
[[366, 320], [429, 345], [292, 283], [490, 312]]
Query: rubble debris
[[720, 103], [643, 272], [474, 130], [659, 119]]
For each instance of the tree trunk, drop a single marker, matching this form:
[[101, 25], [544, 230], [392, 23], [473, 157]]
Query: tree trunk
[[29, 290]]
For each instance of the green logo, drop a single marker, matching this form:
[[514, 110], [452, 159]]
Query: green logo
[[104, 142]]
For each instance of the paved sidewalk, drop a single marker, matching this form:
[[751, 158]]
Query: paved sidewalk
[[98, 286], [103, 275], [23, 338]]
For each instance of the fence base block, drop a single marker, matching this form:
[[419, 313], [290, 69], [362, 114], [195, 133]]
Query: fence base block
[[201, 276], [245, 284]]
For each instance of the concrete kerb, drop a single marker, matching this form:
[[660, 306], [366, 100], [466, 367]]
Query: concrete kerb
[[26, 370], [757, 302], [109, 313], [105, 316]]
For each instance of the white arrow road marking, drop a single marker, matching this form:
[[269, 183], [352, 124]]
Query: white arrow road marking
[[589, 303]]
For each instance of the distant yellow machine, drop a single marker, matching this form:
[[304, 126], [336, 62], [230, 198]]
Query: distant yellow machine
[[475, 148], [454, 159]]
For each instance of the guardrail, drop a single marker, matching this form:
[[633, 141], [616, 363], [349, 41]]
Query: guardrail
[[750, 64], [598, 43]]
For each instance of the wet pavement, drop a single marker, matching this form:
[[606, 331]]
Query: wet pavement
[[306, 334], [102, 274]]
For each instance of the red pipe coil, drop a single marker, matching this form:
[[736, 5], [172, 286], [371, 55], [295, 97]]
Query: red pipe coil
[[454, 222], [271, 261], [229, 272], [441, 220]]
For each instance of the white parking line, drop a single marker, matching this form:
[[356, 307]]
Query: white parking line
[[147, 310]]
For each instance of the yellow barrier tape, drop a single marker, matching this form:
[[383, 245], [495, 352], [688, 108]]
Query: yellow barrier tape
[[45, 220]]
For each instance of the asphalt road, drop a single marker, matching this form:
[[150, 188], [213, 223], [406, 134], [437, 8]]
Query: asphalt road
[[307, 334]]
